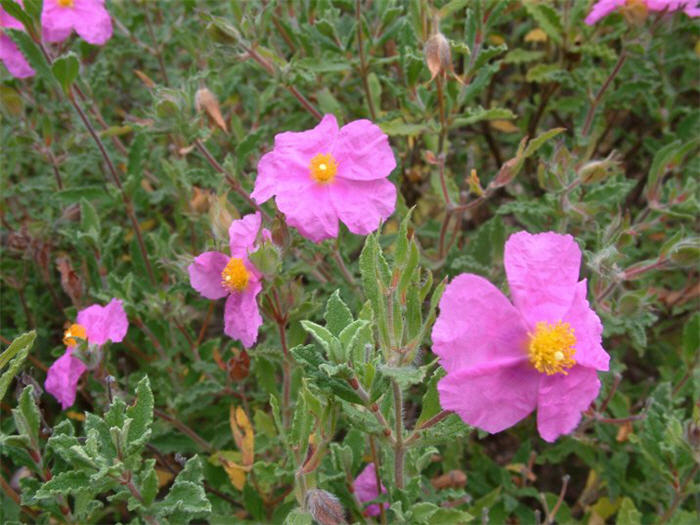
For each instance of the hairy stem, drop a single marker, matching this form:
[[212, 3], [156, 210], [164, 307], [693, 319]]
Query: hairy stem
[[399, 446], [601, 92]]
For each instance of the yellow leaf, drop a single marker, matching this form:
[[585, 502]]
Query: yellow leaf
[[227, 459], [243, 434], [496, 40], [536, 35], [75, 415], [164, 477], [504, 126]]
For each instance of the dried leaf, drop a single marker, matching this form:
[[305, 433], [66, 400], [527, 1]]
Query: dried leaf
[[145, 78], [536, 35], [243, 434], [206, 100]]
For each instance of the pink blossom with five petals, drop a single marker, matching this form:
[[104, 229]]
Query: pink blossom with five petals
[[216, 275], [328, 174], [96, 325], [541, 351]]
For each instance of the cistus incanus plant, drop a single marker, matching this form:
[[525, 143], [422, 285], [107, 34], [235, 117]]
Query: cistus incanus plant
[[543, 350]]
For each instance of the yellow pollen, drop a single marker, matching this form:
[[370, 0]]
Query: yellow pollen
[[551, 348], [76, 331], [323, 168], [65, 3], [235, 277]]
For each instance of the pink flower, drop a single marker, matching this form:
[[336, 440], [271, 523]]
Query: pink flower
[[216, 275], [603, 8], [89, 18], [96, 325], [10, 54], [542, 351], [365, 488], [328, 174]]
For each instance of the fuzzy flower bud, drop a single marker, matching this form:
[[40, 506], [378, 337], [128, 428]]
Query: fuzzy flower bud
[[598, 170], [438, 55], [325, 507]]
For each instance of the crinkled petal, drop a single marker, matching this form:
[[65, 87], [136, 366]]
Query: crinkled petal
[[205, 274], [63, 376], [588, 331], [10, 21], [602, 9], [319, 139], [311, 211], [281, 173], [362, 152], [242, 234], [562, 398], [92, 21], [365, 489], [14, 60], [242, 316], [104, 323], [56, 22], [491, 396], [361, 205], [542, 271], [476, 325]]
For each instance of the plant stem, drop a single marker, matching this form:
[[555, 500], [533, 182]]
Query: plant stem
[[184, 429], [341, 264], [399, 447], [363, 62], [115, 178], [591, 111], [375, 460], [679, 495], [286, 374]]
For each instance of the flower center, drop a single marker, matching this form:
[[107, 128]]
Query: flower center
[[323, 168], [235, 277], [65, 3], [551, 347], [76, 331]]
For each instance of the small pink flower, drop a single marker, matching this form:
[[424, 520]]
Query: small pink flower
[[365, 488], [328, 174], [96, 325], [10, 55], [216, 275], [542, 351], [603, 8], [89, 18]]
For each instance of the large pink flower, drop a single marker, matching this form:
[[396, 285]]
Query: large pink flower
[[542, 351], [603, 8], [89, 18], [365, 489], [96, 325], [10, 55], [216, 275], [328, 174]]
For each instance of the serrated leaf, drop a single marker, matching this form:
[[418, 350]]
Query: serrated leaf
[[547, 18], [141, 413], [27, 417], [64, 483], [338, 315], [14, 356]]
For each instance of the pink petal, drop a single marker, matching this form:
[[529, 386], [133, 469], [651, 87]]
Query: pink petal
[[361, 205], [14, 60], [602, 9], [588, 331], [561, 400], [363, 152], [241, 314], [311, 211], [10, 21], [282, 172], [491, 396], [311, 142], [476, 325], [56, 21], [92, 21], [542, 271], [205, 274], [103, 323], [243, 233], [365, 489], [63, 376]]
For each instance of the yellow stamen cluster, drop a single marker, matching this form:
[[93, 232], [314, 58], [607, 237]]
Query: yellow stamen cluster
[[323, 168], [551, 347], [76, 331], [235, 277], [66, 3]]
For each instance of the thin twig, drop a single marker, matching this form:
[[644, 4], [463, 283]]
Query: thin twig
[[363, 62], [203, 443], [591, 110]]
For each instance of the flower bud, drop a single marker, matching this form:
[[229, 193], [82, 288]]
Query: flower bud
[[221, 213], [438, 55], [507, 173], [324, 507], [598, 170]]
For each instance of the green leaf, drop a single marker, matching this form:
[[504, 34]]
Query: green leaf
[[89, 219], [326, 339], [27, 417], [15, 354], [186, 498], [141, 413], [15, 11], [149, 482], [431, 401], [478, 114], [547, 18], [405, 376], [65, 70], [398, 127], [298, 517], [338, 315], [64, 483], [430, 514], [30, 51], [538, 142], [691, 338], [628, 513]]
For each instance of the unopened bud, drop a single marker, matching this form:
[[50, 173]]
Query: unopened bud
[[324, 507], [685, 253], [205, 100], [598, 170], [438, 55], [221, 213], [507, 173]]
